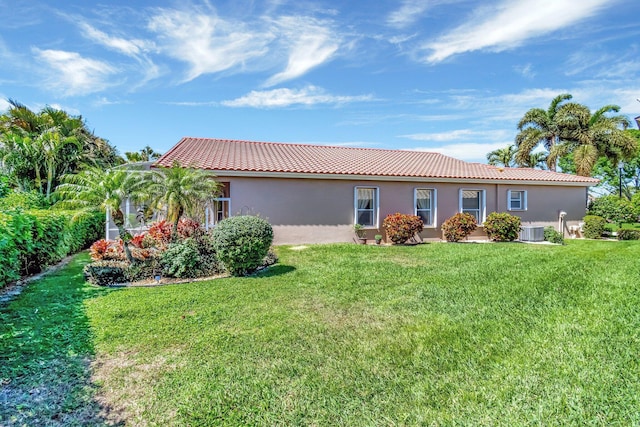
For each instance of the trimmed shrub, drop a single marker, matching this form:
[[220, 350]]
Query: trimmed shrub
[[628, 234], [143, 270], [9, 253], [402, 227], [552, 235], [502, 227], [613, 209], [105, 273], [459, 227], [593, 227], [242, 242], [181, 259], [22, 199]]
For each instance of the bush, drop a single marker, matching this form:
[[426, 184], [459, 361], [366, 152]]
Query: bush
[[402, 227], [628, 234], [242, 242], [143, 270], [552, 235], [502, 227], [181, 259], [22, 199], [593, 227], [613, 209], [105, 273], [459, 227]]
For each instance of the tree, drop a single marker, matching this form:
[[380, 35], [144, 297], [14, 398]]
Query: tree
[[180, 190], [48, 144], [589, 136], [502, 156], [538, 126], [535, 160], [96, 188], [144, 155]]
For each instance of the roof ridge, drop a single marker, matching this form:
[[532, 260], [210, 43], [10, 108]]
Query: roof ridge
[[300, 144]]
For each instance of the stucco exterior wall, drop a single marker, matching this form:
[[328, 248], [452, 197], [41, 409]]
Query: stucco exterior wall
[[305, 210]]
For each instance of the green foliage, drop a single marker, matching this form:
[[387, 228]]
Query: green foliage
[[22, 199], [402, 227], [4, 185], [628, 234], [188, 258], [105, 273], [613, 209], [593, 227], [502, 227], [459, 226], [242, 242], [143, 270], [552, 235], [33, 239]]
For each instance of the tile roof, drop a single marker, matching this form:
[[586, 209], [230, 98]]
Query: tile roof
[[221, 155]]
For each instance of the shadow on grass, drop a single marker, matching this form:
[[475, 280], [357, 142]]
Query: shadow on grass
[[46, 351], [274, 270]]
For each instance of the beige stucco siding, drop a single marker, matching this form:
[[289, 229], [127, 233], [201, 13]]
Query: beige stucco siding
[[322, 210]]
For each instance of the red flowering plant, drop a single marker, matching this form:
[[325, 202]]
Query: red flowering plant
[[107, 250]]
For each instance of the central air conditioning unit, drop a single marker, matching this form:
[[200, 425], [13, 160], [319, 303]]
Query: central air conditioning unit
[[532, 234]]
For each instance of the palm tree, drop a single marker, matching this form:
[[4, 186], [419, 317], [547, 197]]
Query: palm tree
[[144, 155], [591, 136], [502, 156], [180, 190], [538, 126], [107, 190], [535, 160]]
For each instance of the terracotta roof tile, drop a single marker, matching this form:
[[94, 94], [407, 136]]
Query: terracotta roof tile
[[229, 155]]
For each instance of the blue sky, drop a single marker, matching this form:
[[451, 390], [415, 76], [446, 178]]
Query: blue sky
[[449, 76]]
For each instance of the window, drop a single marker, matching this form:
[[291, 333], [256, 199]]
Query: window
[[425, 205], [218, 208], [517, 200], [366, 206], [472, 202]]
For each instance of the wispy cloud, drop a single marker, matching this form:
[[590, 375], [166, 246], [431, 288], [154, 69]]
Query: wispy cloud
[[71, 74], [310, 43], [456, 135], [207, 42], [469, 151], [510, 24], [408, 13], [132, 47], [525, 70], [284, 97]]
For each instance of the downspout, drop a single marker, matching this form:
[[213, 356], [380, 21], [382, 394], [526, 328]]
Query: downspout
[[561, 222]]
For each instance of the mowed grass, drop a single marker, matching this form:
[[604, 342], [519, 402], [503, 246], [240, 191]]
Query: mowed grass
[[435, 334]]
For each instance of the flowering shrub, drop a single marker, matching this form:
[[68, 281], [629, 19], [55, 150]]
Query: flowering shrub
[[98, 249], [459, 227], [107, 250], [160, 232], [402, 227], [502, 227]]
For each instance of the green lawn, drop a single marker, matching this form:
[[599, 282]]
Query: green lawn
[[435, 334]]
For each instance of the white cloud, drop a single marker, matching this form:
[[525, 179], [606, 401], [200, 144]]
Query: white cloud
[[285, 97], [72, 74], [310, 43], [510, 24], [475, 152], [525, 70], [4, 104], [409, 12], [208, 43], [456, 135], [133, 47]]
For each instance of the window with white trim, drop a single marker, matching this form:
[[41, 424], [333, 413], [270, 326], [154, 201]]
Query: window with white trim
[[366, 206], [473, 202], [517, 200], [425, 205]]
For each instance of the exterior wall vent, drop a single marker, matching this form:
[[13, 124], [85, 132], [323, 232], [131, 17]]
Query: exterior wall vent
[[532, 234]]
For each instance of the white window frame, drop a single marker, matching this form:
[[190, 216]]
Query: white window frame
[[210, 214], [433, 212], [483, 203], [523, 200], [376, 206]]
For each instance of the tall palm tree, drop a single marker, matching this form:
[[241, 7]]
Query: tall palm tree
[[107, 190], [180, 190], [537, 159], [502, 156], [144, 155], [538, 126], [590, 136]]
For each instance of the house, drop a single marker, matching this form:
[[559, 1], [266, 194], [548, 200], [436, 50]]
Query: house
[[315, 194]]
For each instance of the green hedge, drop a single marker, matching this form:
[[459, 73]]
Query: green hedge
[[32, 239]]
